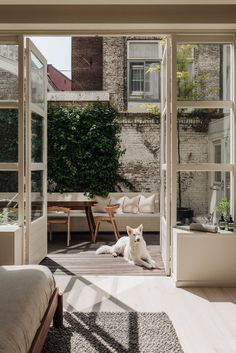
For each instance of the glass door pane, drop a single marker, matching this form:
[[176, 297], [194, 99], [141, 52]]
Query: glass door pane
[[8, 72], [37, 81], [204, 72], [37, 127], [8, 135], [198, 132], [9, 120], [204, 138], [9, 197]]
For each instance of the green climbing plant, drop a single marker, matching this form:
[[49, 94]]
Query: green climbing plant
[[83, 149]]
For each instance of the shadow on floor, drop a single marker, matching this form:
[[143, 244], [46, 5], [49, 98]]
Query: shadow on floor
[[82, 242]]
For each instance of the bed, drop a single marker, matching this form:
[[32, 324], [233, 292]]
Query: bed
[[29, 302]]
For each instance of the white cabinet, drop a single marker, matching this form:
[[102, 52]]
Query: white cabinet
[[10, 245], [203, 258]]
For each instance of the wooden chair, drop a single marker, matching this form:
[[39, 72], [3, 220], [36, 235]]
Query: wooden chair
[[109, 218], [59, 215]]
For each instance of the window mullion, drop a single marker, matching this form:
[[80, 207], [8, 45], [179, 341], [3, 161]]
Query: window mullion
[[144, 79]]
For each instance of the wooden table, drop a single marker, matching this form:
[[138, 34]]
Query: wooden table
[[85, 205]]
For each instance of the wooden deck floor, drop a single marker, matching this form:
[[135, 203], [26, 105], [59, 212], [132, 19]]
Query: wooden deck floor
[[80, 258]]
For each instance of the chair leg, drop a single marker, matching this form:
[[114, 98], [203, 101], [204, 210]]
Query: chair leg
[[68, 234], [96, 231], [50, 232], [115, 229]]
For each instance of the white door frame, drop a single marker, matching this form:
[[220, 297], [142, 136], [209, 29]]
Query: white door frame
[[19, 105], [34, 234], [229, 35], [175, 105], [165, 231], [36, 230]]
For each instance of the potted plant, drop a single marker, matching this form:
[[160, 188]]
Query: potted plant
[[223, 209]]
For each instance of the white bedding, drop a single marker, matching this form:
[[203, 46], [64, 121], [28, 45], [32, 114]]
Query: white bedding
[[24, 295]]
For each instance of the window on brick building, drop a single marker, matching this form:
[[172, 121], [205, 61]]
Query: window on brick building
[[143, 72]]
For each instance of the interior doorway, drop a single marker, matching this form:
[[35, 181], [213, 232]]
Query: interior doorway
[[180, 171], [31, 164], [23, 166]]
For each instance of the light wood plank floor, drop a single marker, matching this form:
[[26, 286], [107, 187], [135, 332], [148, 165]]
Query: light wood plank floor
[[204, 318], [80, 258]]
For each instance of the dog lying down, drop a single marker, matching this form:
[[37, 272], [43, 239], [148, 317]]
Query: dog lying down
[[132, 247]]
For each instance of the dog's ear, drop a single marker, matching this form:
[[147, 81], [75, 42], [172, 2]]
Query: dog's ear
[[140, 228], [129, 230]]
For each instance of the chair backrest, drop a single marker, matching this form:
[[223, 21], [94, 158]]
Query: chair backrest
[[111, 208], [59, 209]]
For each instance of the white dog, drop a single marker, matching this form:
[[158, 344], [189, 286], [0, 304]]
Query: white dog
[[132, 247]]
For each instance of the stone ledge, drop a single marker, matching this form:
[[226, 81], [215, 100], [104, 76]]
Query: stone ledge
[[138, 118], [79, 96]]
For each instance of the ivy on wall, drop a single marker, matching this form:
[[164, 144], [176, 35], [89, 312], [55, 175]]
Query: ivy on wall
[[83, 149]]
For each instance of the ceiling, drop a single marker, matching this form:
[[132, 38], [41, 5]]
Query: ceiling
[[116, 2], [63, 16]]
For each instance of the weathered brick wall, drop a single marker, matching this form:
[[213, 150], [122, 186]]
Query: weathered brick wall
[[194, 148], [140, 165], [195, 196], [9, 86], [114, 70], [87, 63], [208, 64]]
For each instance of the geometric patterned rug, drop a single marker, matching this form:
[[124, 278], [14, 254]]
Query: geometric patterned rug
[[113, 332]]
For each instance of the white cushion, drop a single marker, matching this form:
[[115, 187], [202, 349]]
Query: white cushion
[[102, 202], [147, 204], [131, 205], [120, 201]]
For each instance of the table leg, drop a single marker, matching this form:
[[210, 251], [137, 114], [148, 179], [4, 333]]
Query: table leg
[[90, 221], [92, 218]]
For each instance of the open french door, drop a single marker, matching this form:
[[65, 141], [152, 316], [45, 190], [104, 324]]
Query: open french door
[[165, 209], [36, 154]]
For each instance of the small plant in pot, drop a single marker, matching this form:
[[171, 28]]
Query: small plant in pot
[[223, 212]]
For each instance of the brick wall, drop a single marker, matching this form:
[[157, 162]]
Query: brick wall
[[194, 148], [207, 63], [140, 165], [87, 63], [9, 86], [114, 70]]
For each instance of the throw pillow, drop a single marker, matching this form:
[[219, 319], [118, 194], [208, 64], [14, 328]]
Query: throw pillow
[[102, 202], [131, 205], [120, 201], [147, 204]]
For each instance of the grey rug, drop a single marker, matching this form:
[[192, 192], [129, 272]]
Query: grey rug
[[117, 332]]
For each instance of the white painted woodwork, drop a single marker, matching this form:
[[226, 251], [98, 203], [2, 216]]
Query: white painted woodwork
[[36, 230], [13, 248], [199, 104], [165, 230], [233, 131], [11, 251], [202, 258], [174, 141]]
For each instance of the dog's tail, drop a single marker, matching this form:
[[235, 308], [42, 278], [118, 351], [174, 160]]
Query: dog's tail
[[105, 249]]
